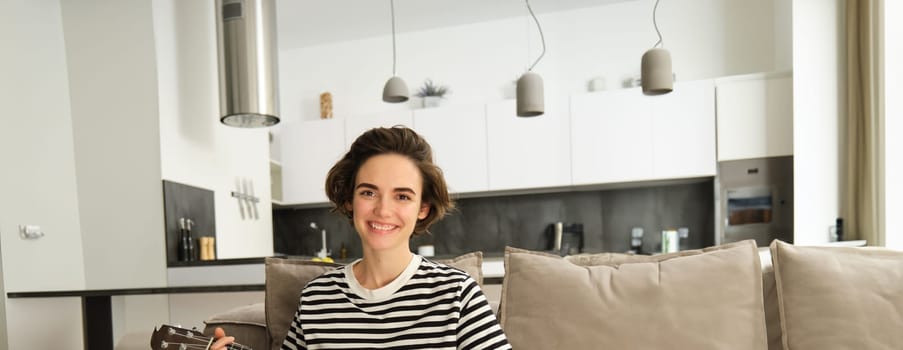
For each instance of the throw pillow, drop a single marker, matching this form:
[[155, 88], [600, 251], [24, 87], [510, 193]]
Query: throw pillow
[[700, 299], [772, 314], [284, 280], [839, 297], [472, 263]]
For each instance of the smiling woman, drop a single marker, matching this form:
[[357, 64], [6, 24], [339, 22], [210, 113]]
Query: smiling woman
[[389, 189]]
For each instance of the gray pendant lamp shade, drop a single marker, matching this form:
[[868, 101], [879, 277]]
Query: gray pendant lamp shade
[[530, 95], [246, 47], [395, 91], [656, 72]]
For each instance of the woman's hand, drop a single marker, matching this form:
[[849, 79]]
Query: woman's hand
[[221, 339]]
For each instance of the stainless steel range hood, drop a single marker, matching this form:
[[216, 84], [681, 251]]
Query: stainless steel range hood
[[248, 62]]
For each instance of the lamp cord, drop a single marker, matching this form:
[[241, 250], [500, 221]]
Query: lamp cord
[[541, 36], [392, 5], [655, 23]]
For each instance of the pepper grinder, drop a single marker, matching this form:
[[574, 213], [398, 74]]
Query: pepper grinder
[[183, 241], [191, 253]]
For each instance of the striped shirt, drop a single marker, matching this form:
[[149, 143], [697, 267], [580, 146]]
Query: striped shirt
[[428, 306]]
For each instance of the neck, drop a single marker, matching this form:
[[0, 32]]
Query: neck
[[377, 270]]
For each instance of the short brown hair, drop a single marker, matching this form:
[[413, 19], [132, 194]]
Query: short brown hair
[[398, 140]]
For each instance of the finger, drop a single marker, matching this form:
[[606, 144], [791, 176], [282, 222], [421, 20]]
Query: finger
[[221, 343], [219, 333]]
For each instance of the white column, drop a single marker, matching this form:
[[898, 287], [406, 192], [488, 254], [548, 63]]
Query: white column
[[817, 103]]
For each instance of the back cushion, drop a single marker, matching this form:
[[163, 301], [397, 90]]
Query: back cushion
[[700, 299], [772, 315], [472, 263], [284, 280], [839, 297]]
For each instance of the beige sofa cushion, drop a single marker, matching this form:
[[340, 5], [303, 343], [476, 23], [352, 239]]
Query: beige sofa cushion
[[246, 323], [839, 297], [772, 315], [700, 299], [472, 263], [285, 278]]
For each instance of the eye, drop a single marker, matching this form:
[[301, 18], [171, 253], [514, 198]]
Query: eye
[[367, 193], [404, 197]]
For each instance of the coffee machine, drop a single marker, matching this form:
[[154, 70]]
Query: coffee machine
[[565, 238]]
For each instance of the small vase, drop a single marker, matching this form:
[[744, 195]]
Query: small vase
[[431, 101]]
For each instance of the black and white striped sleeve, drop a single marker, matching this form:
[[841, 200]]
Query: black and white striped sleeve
[[478, 327], [294, 340]]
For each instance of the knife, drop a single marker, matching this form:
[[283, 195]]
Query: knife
[[240, 196], [252, 200]]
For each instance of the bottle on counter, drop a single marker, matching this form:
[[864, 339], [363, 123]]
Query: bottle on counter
[[183, 242], [191, 251], [343, 252]]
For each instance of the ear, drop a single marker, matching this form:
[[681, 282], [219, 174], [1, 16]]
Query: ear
[[348, 207], [424, 211]]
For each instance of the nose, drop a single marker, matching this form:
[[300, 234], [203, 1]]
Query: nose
[[383, 207]]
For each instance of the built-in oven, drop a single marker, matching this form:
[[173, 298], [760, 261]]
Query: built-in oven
[[754, 199]]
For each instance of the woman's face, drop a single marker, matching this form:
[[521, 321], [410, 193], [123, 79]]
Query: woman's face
[[387, 203]]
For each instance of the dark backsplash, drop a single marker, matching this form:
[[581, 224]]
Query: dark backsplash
[[489, 224]]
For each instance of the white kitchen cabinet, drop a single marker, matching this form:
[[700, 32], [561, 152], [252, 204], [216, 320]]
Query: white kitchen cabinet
[[625, 136], [755, 116], [309, 150], [530, 152], [356, 125], [683, 131], [611, 138], [457, 135]]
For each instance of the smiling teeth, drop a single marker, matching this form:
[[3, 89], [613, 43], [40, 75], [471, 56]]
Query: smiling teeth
[[381, 227]]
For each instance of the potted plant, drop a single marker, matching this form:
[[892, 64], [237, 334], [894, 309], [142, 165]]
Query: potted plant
[[431, 93]]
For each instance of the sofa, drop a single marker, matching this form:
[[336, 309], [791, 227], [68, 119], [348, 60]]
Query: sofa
[[721, 297]]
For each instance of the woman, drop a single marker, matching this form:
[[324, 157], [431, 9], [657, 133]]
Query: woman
[[389, 188]]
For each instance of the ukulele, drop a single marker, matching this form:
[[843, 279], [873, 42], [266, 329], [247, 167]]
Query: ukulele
[[175, 338]]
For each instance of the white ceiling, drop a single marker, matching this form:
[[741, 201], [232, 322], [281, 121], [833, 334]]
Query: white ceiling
[[312, 22]]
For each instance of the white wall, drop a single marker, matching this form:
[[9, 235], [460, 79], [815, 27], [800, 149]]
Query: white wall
[[480, 62], [44, 323], [783, 40], [38, 181], [817, 102], [197, 149], [112, 80], [893, 124]]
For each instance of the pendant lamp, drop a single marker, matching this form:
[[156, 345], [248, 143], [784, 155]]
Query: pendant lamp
[[246, 48], [530, 96], [656, 76], [395, 91]]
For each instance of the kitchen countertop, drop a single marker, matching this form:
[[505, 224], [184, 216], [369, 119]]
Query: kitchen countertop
[[251, 271], [490, 256]]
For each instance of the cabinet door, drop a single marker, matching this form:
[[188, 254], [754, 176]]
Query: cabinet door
[[528, 152], [611, 137], [309, 150], [357, 125], [755, 117], [683, 131], [457, 135]]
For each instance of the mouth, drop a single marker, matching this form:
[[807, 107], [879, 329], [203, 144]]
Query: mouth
[[381, 228]]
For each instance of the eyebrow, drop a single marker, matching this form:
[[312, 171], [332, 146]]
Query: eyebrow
[[373, 187]]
